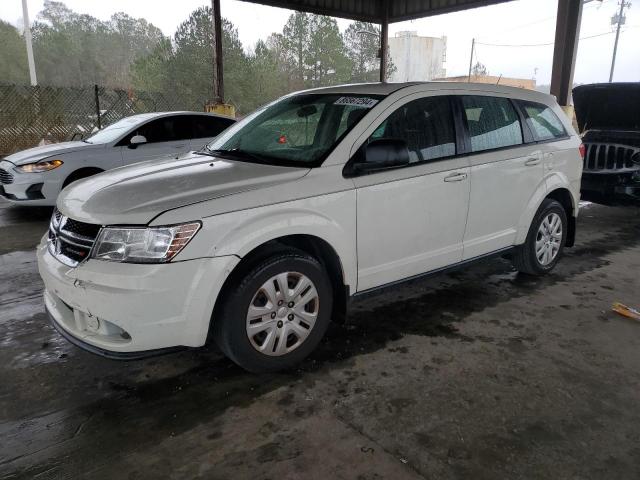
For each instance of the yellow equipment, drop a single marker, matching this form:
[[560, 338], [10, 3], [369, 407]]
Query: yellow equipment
[[225, 109]]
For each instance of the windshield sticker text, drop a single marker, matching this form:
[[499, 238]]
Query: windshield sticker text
[[361, 102]]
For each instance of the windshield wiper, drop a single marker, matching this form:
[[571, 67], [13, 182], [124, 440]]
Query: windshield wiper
[[255, 157], [234, 152], [207, 151]]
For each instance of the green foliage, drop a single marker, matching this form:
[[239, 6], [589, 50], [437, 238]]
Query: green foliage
[[186, 66], [72, 49], [13, 55], [326, 61], [362, 49], [479, 69]]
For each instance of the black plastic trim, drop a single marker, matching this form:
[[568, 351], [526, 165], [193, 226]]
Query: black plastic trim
[[448, 268], [527, 135], [108, 353]]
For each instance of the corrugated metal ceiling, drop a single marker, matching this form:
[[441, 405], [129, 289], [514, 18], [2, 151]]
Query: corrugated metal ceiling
[[373, 10]]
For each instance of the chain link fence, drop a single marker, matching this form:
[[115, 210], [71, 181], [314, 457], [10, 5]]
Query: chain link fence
[[31, 116]]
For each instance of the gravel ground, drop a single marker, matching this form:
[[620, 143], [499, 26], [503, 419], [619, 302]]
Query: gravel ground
[[481, 374]]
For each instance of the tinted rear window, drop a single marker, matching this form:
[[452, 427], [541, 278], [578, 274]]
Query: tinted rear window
[[208, 127], [492, 121]]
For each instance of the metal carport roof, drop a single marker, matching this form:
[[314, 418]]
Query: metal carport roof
[[374, 10], [389, 11]]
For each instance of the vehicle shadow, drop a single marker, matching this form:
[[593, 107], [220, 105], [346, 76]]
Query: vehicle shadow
[[140, 401]]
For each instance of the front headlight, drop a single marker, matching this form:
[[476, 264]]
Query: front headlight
[[143, 245], [38, 167]]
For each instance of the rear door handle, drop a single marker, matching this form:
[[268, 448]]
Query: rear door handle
[[180, 146], [455, 177], [532, 161]]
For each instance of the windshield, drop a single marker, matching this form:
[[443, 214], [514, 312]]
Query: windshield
[[299, 130], [115, 130]]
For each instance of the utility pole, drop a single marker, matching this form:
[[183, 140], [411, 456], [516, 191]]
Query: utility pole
[[384, 42], [619, 19], [218, 83], [473, 46], [27, 38]]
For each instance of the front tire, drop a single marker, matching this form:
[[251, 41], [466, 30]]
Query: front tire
[[545, 241], [275, 316], [79, 175]]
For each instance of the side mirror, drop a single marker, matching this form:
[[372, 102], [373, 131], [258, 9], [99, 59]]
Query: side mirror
[[383, 154], [137, 140]]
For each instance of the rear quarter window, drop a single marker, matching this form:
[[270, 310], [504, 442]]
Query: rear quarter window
[[542, 121]]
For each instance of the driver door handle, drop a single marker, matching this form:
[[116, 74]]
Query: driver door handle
[[455, 177], [532, 161]]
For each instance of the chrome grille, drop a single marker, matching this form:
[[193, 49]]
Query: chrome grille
[[71, 241], [5, 177], [600, 157]]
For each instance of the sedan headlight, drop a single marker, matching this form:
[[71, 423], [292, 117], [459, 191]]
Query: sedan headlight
[[38, 167], [143, 245]]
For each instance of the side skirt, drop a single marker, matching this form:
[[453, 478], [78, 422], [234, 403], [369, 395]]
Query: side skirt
[[456, 266]]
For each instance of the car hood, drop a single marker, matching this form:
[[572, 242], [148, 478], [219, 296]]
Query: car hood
[[35, 154], [607, 106], [136, 194]]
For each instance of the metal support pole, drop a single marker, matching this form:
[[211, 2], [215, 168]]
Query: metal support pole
[[565, 49], [27, 38], [218, 84], [97, 97], [384, 41], [623, 4], [473, 46]]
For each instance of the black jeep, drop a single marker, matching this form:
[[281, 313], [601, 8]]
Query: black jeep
[[608, 116]]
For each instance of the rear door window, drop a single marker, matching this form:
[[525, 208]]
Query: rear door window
[[492, 121], [164, 129], [205, 126], [542, 121]]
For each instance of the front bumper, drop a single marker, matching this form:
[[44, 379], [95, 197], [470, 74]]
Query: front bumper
[[121, 310], [30, 188], [611, 188]]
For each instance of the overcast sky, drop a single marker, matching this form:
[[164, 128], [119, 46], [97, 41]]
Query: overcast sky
[[521, 22]]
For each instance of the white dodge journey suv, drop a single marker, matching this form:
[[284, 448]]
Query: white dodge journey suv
[[261, 238]]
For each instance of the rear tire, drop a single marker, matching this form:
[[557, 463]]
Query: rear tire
[[545, 240], [275, 316]]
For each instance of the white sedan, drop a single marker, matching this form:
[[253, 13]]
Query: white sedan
[[37, 175]]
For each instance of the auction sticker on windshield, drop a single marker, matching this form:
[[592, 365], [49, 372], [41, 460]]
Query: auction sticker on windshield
[[362, 102]]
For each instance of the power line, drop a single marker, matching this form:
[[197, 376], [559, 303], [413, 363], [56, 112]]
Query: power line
[[549, 43], [515, 45], [546, 19]]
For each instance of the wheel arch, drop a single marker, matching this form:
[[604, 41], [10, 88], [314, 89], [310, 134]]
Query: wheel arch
[[79, 173], [311, 245], [562, 195]]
